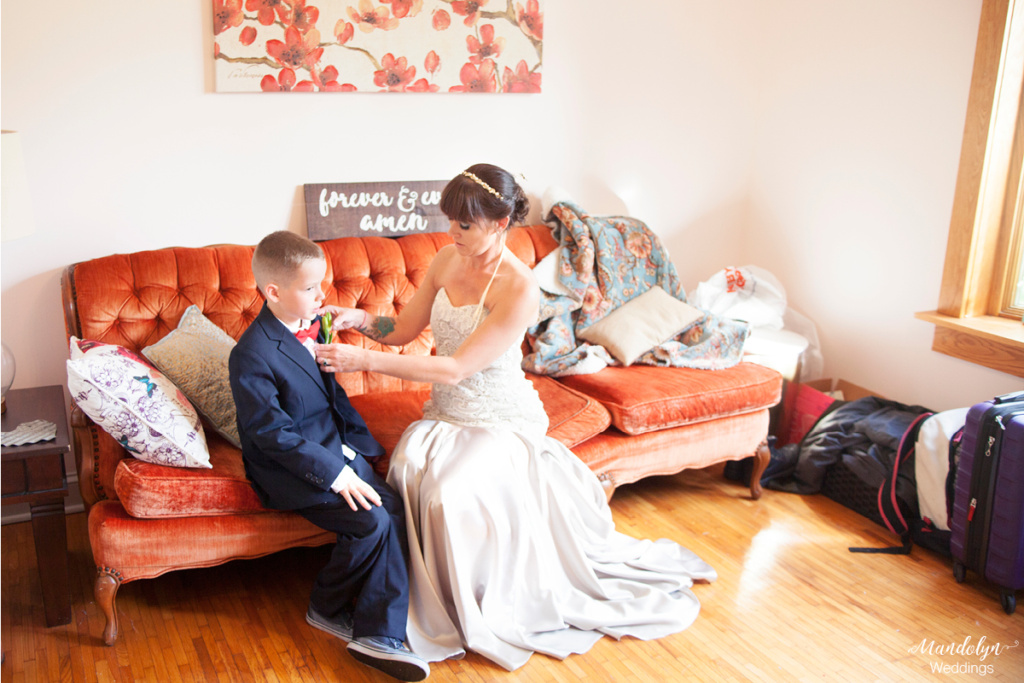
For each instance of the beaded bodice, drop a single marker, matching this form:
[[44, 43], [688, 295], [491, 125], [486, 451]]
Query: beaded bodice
[[498, 395]]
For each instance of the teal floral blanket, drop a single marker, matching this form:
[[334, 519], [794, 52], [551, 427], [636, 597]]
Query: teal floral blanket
[[602, 263]]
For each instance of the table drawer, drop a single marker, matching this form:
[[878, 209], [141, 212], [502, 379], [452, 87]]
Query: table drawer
[[41, 473]]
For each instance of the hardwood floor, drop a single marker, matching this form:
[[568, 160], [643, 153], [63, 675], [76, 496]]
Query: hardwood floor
[[790, 603]]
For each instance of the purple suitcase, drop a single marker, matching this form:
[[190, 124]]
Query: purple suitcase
[[987, 525]]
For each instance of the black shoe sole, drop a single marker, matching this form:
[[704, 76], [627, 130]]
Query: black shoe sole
[[403, 671]]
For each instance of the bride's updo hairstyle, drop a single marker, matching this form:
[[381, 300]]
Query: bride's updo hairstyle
[[484, 191]]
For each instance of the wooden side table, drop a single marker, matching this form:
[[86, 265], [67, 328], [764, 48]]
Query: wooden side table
[[34, 474]]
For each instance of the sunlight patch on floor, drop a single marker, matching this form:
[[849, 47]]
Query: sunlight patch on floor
[[762, 556]]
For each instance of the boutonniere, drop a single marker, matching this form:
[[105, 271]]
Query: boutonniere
[[325, 324]]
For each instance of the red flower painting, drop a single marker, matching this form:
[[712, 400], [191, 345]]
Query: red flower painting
[[422, 85], [304, 18], [432, 62], [405, 8], [520, 80], [395, 74], [477, 79], [326, 79], [469, 9], [384, 46], [226, 14], [297, 51], [530, 19], [266, 9], [440, 20], [369, 17], [486, 47], [284, 82], [344, 31]]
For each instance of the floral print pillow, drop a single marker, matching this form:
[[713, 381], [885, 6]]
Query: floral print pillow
[[136, 404]]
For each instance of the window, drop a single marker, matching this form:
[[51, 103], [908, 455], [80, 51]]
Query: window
[[979, 313], [1017, 301], [1013, 300]]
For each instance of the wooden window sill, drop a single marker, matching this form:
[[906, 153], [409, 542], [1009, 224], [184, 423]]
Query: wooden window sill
[[988, 340]]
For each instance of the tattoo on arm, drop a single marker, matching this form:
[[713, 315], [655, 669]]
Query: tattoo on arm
[[380, 328]]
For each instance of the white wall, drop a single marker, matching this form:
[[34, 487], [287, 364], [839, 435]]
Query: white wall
[[859, 123], [817, 138]]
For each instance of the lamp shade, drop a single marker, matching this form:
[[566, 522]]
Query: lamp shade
[[15, 200], [9, 367]]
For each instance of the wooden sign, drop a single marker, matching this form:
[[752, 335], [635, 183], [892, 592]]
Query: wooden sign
[[388, 209]]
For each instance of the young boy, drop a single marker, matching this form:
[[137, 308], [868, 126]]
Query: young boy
[[304, 447]]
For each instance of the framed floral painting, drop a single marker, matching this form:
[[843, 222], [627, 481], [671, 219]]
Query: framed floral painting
[[490, 46]]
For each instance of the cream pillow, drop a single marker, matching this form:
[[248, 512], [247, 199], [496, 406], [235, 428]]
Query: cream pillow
[[640, 324], [195, 357]]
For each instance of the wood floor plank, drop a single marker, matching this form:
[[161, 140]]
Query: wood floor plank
[[791, 603]]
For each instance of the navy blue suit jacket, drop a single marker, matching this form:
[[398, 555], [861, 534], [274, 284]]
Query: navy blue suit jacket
[[292, 418]]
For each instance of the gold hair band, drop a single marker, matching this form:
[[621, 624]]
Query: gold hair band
[[483, 185]]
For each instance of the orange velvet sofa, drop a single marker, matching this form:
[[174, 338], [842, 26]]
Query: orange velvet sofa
[[147, 519]]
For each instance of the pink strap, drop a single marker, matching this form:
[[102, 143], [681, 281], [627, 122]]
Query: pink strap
[[897, 461]]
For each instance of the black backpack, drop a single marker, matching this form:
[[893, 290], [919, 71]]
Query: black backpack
[[897, 512]]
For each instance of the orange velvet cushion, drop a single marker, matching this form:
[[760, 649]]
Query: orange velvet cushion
[[150, 491], [572, 417], [155, 491], [618, 459], [644, 398], [387, 415]]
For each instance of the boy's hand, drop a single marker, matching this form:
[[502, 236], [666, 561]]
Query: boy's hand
[[350, 487]]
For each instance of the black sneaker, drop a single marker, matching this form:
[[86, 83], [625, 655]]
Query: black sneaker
[[390, 656], [341, 627]]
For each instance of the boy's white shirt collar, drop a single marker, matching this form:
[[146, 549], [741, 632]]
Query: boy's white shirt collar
[[309, 343], [303, 324]]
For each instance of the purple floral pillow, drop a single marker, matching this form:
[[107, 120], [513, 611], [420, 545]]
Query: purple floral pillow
[[136, 405]]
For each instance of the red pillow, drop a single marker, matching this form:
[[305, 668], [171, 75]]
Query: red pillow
[[802, 407]]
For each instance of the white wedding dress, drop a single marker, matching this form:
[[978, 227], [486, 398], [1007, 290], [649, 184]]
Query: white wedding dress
[[512, 545]]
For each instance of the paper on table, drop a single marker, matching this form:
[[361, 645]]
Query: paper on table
[[29, 432]]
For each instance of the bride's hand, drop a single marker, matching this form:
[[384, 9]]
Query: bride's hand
[[344, 318], [340, 358]]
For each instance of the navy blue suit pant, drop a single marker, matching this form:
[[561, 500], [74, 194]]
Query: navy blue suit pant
[[367, 574]]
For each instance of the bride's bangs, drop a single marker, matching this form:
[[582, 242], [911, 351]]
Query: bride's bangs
[[460, 202]]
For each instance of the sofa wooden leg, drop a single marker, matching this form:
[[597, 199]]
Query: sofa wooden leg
[[762, 457], [107, 582]]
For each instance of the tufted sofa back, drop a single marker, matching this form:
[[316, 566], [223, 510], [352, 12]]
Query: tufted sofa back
[[134, 300]]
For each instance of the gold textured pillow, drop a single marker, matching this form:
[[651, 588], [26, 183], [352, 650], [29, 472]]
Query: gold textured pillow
[[640, 324], [195, 357]]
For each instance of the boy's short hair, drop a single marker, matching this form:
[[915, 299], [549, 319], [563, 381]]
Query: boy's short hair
[[279, 255]]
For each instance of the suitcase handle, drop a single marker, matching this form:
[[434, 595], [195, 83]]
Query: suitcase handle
[[1013, 397]]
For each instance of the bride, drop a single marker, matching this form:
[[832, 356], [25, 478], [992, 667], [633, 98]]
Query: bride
[[512, 545]]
